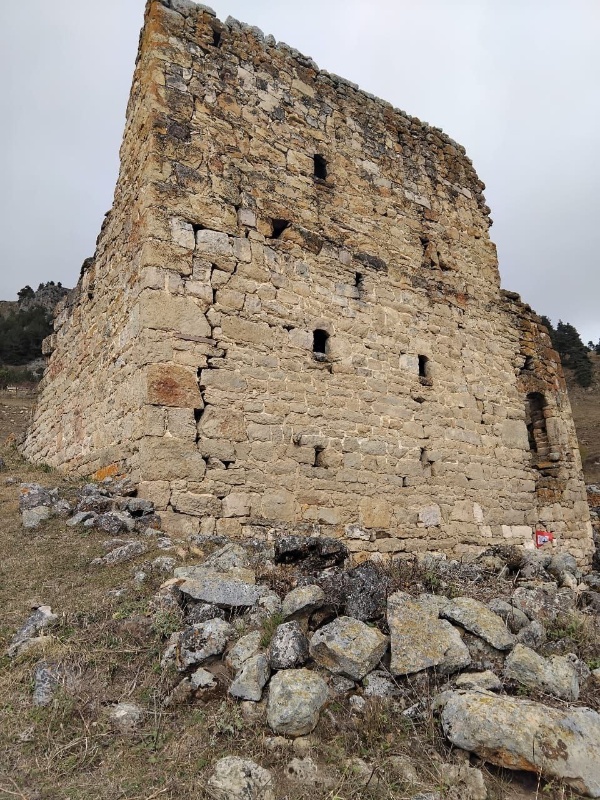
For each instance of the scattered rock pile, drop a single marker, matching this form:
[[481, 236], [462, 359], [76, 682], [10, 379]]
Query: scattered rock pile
[[312, 649], [360, 633]]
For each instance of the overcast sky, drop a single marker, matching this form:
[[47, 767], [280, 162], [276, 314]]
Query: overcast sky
[[517, 82]]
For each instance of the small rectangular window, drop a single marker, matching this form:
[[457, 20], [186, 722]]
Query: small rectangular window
[[320, 167]]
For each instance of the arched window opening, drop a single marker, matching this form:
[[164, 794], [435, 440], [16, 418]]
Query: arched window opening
[[535, 420], [320, 338]]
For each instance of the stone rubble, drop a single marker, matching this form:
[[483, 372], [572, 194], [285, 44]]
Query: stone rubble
[[315, 658]]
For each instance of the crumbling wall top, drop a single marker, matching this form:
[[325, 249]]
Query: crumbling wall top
[[407, 125]]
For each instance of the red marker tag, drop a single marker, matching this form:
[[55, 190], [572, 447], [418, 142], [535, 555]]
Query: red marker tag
[[543, 537]]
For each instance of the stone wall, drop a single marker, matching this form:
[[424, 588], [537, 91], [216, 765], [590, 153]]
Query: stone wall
[[294, 318]]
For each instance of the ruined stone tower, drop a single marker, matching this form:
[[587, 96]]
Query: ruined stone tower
[[293, 318]]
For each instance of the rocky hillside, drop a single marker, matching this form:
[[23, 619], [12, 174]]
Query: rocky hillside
[[585, 403], [141, 665]]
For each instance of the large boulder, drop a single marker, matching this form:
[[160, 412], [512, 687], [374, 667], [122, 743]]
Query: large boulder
[[236, 778], [348, 647], [478, 619], [420, 640], [523, 735], [296, 697], [555, 675]]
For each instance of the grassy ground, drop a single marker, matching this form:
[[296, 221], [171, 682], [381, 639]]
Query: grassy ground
[[112, 647]]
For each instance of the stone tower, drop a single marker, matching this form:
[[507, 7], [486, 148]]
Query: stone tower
[[293, 318]]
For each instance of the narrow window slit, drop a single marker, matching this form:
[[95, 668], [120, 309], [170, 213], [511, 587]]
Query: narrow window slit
[[358, 280], [425, 371], [217, 38], [320, 338], [279, 226], [528, 365], [320, 169], [318, 453]]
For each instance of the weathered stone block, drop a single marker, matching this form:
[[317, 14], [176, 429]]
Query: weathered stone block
[[170, 385]]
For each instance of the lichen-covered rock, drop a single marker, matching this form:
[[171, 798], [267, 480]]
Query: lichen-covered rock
[[202, 612], [381, 684], [420, 640], [230, 556], [463, 782], [41, 619], [537, 603], [555, 675], [532, 635], [202, 679], [302, 600], [479, 680], [224, 591], [126, 717], [477, 618], [348, 647], [246, 647], [199, 642], [523, 735], [251, 679], [296, 697], [125, 552], [33, 517], [365, 588], [47, 678], [563, 566], [513, 617], [235, 778], [288, 648]]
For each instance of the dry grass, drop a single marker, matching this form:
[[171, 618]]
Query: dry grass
[[112, 649]]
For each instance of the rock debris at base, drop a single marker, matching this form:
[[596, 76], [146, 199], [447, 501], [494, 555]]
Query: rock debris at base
[[289, 654]]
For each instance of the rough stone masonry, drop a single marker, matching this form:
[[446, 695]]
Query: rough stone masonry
[[293, 318]]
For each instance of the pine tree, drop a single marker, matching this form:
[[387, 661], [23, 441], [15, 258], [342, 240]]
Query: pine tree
[[572, 351]]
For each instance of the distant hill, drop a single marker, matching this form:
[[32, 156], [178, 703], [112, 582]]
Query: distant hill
[[25, 322], [585, 402]]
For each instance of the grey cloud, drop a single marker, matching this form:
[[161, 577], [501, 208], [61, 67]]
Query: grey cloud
[[515, 82]]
